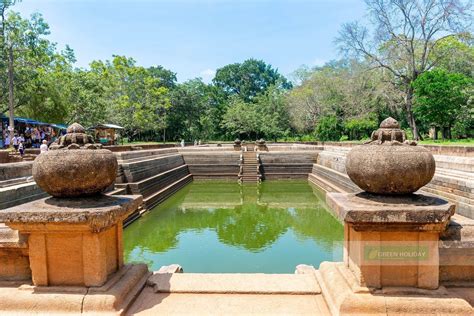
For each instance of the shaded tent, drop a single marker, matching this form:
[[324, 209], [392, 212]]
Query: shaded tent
[[106, 133], [21, 123], [28, 121]]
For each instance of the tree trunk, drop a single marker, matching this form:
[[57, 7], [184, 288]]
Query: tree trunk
[[444, 133], [410, 115], [10, 94]]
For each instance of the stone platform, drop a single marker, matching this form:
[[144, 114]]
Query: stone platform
[[303, 293]]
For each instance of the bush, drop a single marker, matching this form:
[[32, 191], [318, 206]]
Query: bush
[[329, 128], [360, 128]]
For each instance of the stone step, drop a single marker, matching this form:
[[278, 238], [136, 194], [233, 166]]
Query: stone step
[[230, 294], [236, 283], [164, 193], [327, 186], [150, 303], [337, 178]]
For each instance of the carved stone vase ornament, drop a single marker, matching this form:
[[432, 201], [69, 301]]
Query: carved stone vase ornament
[[390, 164], [75, 166]]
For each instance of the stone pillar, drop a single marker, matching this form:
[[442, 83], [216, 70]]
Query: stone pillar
[[73, 242], [391, 235], [392, 241], [237, 144], [390, 255], [261, 145]]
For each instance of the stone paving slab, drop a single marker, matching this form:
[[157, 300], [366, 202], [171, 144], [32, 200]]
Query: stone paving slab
[[300, 284], [150, 303]]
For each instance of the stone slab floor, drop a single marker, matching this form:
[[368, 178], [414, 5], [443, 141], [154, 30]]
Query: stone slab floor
[[230, 294]]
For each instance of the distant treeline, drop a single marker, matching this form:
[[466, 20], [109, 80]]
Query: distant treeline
[[417, 66]]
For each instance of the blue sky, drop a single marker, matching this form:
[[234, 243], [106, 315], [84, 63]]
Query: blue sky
[[193, 38]]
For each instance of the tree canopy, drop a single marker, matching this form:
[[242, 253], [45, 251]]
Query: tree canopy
[[414, 61], [248, 79]]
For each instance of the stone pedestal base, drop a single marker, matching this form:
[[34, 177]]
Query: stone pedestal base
[[73, 242], [392, 240], [380, 259], [237, 147], [74, 256], [261, 147], [344, 295], [114, 297]]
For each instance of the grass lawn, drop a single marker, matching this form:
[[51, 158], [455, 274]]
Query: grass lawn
[[449, 142]]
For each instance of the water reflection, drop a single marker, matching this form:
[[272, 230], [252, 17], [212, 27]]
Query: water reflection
[[245, 219]]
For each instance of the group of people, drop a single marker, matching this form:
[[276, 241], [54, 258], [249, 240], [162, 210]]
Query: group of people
[[30, 137], [19, 145]]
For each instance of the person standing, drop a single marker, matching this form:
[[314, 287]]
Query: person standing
[[21, 148], [44, 147], [7, 140], [15, 142]]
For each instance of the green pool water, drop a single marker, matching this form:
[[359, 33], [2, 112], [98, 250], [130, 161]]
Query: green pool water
[[226, 227]]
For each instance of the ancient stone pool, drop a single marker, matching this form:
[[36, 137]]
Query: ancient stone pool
[[227, 227]]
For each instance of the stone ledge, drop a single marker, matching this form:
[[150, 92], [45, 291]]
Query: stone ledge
[[382, 213], [95, 213], [113, 298], [150, 303], [235, 283]]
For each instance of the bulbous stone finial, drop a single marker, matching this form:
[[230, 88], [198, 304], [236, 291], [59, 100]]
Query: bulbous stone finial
[[389, 133], [388, 164], [389, 122], [75, 138], [75, 128], [72, 169]]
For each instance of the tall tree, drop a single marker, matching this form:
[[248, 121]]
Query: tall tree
[[7, 51], [406, 34], [248, 79], [441, 97], [138, 97]]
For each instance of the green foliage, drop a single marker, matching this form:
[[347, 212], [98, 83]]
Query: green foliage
[[342, 100], [266, 117], [248, 79], [241, 119], [329, 128], [455, 54], [192, 115], [442, 98], [358, 128]]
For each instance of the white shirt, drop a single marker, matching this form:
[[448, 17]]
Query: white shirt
[[15, 140], [43, 148]]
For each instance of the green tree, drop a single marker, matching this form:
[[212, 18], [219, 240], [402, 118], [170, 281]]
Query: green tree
[[241, 119], [329, 128], [456, 54], [192, 112], [441, 97], [28, 58], [248, 79], [406, 36], [359, 128], [139, 100], [272, 114]]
